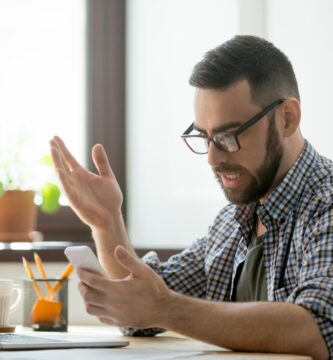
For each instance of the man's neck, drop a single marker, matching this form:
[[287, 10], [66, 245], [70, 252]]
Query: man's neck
[[260, 228]]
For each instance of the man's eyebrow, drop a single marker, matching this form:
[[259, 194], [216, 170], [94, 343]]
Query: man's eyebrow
[[221, 128]]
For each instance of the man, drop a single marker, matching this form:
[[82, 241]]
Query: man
[[262, 278]]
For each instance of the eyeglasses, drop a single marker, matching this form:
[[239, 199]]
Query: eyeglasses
[[225, 140]]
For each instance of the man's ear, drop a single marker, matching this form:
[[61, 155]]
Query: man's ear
[[290, 116]]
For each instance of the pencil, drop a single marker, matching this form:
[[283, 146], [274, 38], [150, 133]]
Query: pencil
[[65, 275], [40, 267], [31, 276]]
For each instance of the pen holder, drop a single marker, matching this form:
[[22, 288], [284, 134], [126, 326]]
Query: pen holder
[[49, 313]]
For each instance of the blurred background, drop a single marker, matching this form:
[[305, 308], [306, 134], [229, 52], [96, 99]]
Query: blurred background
[[116, 72]]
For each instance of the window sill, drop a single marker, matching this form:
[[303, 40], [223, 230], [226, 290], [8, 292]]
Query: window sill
[[48, 250], [54, 250]]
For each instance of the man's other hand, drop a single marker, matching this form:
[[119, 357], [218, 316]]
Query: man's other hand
[[137, 300]]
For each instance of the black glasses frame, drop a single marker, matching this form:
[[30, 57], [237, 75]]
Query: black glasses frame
[[231, 142]]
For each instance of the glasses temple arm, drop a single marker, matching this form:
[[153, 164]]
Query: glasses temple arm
[[258, 116]]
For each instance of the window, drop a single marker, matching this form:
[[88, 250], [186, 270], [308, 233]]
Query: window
[[62, 72], [42, 67]]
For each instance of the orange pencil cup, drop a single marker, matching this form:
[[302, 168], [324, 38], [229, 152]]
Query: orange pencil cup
[[49, 312]]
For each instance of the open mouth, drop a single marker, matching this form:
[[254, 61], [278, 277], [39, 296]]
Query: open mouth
[[230, 180], [231, 176]]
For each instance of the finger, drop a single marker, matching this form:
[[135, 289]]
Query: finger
[[94, 280], [61, 169], [97, 311], [130, 262], [67, 156], [91, 296], [57, 158], [101, 161], [107, 320], [65, 182]]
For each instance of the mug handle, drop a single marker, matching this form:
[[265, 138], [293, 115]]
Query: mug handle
[[18, 298]]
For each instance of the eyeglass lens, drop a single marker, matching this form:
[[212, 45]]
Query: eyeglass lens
[[224, 142]]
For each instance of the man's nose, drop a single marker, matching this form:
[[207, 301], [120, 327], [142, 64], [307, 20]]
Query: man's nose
[[215, 155]]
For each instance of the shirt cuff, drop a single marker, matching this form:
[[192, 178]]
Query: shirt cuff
[[141, 332]]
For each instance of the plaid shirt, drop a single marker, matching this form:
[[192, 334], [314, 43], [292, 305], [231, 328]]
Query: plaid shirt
[[298, 211]]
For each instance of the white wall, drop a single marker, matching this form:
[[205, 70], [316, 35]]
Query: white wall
[[172, 196], [303, 30], [76, 311]]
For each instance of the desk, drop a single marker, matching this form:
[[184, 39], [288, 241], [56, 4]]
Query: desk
[[162, 347]]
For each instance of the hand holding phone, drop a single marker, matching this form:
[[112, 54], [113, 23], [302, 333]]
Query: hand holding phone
[[82, 257]]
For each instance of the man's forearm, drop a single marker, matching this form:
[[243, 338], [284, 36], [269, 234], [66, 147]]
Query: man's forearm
[[106, 240], [257, 326]]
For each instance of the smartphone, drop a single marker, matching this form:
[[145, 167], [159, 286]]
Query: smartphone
[[82, 257]]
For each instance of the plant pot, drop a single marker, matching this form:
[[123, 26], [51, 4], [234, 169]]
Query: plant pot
[[18, 216]]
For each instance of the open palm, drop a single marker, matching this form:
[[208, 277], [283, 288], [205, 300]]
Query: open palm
[[95, 198]]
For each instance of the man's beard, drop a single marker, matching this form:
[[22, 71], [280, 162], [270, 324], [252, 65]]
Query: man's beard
[[258, 187]]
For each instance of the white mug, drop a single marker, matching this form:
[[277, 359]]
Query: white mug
[[7, 288]]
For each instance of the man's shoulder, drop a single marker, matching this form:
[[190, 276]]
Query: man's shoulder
[[228, 211], [317, 197], [223, 226], [320, 184], [226, 216]]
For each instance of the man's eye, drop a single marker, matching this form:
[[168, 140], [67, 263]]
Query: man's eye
[[219, 137]]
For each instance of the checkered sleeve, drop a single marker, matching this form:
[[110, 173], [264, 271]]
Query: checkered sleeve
[[183, 273], [315, 289]]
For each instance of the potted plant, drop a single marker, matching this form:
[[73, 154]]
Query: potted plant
[[24, 185]]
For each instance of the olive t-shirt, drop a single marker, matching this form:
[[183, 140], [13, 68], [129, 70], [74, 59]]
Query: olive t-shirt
[[251, 284]]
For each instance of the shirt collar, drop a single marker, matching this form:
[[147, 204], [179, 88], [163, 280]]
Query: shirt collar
[[284, 198], [244, 215]]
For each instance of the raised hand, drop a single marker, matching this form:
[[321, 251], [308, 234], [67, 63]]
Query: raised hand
[[96, 198]]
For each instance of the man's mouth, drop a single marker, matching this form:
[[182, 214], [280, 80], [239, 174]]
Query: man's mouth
[[231, 176], [230, 180]]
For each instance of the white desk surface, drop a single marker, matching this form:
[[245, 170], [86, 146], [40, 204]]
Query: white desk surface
[[162, 347]]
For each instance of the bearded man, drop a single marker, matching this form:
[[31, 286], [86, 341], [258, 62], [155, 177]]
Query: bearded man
[[262, 278]]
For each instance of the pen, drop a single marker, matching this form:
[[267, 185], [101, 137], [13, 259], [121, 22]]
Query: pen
[[65, 275], [40, 267], [31, 276]]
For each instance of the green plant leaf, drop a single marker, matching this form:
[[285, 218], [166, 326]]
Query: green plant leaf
[[2, 189], [50, 198], [46, 160]]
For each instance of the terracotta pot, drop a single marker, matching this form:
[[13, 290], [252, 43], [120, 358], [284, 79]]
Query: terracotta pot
[[18, 216]]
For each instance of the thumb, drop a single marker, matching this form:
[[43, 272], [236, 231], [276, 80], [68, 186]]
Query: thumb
[[101, 161], [129, 261]]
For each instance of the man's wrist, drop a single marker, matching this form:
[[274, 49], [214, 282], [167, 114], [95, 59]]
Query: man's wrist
[[114, 223], [172, 307]]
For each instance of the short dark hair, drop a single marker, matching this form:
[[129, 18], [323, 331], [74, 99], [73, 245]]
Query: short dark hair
[[267, 69]]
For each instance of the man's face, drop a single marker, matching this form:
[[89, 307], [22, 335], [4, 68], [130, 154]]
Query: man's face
[[247, 175]]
